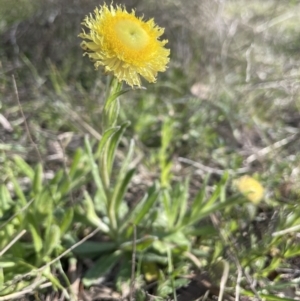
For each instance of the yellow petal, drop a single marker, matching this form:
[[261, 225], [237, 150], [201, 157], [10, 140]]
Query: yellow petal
[[125, 45], [250, 188]]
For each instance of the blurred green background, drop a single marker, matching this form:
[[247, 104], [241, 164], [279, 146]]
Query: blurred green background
[[231, 86]]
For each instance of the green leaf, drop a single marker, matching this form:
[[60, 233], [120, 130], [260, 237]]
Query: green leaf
[[180, 202], [57, 178], [94, 249], [197, 203], [90, 215], [204, 230], [94, 168], [178, 238], [35, 233], [52, 240], [292, 251], [5, 263], [113, 144], [140, 244], [67, 220], [141, 209], [166, 200], [152, 257], [213, 208], [274, 298], [44, 202], [17, 189], [77, 158], [267, 297], [218, 191], [117, 93], [127, 160], [6, 201], [24, 167], [101, 268], [104, 140], [120, 190], [37, 184]]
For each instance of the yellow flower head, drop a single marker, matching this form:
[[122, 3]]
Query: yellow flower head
[[250, 188], [124, 44]]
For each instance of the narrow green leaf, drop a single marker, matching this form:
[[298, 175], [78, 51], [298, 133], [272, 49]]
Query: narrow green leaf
[[17, 189], [52, 240], [101, 268], [37, 184], [105, 138], [138, 213], [120, 190], [35, 233], [140, 244], [94, 167], [267, 297], [57, 178], [24, 167], [116, 95], [94, 249], [166, 200], [180, 202], [205, 230], [213, 208], [44, 202], [5, 198], [216, 194], [274, 298], [90, 215], [67, 220], [112, 105], [292, 251], [77, 158], [56, 284], [199, 199], [127, 160], [115, 139], [5, 263], [152, 257]]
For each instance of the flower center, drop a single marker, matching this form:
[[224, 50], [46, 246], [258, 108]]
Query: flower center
[[131, 34]]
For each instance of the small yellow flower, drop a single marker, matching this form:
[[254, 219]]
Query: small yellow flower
[[250, 188], [124, 44]]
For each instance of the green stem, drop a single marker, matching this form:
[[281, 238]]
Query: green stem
[[111, 106], [109, 120]]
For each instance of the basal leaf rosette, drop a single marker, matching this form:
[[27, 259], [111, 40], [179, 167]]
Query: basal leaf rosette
[[124, 45]]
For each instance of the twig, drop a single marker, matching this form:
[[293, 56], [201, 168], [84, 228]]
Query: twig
[[275, 21], [238, 282], [5, 123], [16, 214], [194, 259], [223, 280], [60, 256], [25, 121], [66, 170], [12, 242], [285, 231], [264, 151], [232, 253], [69, 250], [24, 292], [211, 169]]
